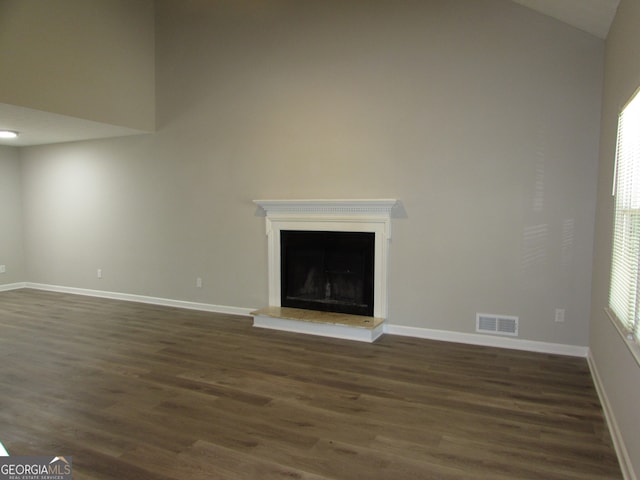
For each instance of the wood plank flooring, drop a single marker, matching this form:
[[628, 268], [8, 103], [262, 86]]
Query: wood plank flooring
[[134, 391]]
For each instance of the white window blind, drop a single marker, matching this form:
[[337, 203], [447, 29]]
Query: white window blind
[[624, 295]]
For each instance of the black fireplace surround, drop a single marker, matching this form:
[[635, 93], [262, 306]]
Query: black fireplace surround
[[327, 271]]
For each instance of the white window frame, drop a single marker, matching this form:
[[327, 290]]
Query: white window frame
[[624, 290]]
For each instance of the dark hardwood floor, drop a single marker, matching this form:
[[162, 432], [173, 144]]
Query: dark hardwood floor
[[134, 391]]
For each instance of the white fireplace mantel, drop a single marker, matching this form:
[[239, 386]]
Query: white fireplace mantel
[[334, 215]]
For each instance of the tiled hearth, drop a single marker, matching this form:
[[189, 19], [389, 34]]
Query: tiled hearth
[[328, 324]]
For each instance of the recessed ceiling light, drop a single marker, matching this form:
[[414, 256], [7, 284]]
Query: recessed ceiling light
[[8, 134]]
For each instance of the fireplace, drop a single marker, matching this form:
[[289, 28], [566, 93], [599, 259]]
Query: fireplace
[[323, 283], [370, 216], [327, 271]]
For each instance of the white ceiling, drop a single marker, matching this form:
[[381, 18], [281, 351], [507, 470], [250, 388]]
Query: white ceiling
[[593, 16], [37, 127]]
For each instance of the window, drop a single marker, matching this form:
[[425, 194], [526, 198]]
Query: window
[[624, 295]]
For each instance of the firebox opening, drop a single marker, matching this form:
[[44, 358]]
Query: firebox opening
[[327, 271]]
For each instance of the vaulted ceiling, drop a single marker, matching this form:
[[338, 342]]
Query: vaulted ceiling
[[592, 16]]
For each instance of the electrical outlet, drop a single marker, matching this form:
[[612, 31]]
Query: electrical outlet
[[3, 269], [559, 315], [99, 273], [198, 282]]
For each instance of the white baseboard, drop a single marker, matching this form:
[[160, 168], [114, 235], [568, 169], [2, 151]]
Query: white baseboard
[[488, 340], [416, 332], [166, 302], [12, 286], [616, 436]]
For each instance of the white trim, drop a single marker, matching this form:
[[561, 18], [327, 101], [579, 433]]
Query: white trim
[[416, 332], [627, 337], [355, 215], [488, 340], [616, 436], [12, 286], [344, 332], [166, 302], [381, 206]]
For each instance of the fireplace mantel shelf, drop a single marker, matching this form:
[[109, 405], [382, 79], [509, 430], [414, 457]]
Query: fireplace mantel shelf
[[329, 206], [351, 211]]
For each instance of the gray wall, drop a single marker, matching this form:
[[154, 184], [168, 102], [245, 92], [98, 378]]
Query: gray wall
[[482, 117], [92, 59], [11, 239], [617, 368]]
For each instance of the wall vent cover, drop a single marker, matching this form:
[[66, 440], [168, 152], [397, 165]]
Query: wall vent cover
[[497, 324]]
